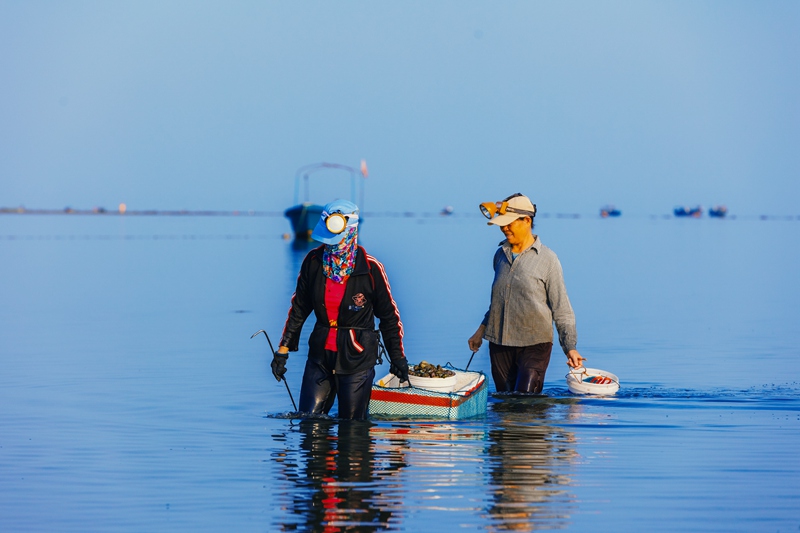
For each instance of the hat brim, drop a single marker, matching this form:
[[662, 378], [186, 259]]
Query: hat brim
[[323, 235], [505, 220]]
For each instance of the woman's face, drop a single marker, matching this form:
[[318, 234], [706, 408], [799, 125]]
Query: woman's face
[[517, 231]]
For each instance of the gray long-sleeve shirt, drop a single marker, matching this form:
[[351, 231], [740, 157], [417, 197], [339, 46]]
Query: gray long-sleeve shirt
[[528, 296]]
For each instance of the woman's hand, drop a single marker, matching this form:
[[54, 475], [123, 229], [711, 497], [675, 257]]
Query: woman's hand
[[574, 359], [477, 339]]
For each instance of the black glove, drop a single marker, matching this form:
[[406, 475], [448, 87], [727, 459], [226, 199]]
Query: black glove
[[279, 365], [399, 368]]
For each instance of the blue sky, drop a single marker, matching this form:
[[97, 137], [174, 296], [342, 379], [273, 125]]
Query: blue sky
[[215, 105]]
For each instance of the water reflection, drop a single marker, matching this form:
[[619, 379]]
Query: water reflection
[[367, 476], [337, 480], [530, 461]]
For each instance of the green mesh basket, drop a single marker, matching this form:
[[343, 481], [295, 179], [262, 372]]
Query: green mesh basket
[[468, 398]]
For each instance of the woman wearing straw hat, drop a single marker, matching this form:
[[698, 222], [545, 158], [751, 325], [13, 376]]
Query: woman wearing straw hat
[[345, 288], [528, 296]]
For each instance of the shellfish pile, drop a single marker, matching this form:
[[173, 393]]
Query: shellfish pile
[[427, 370]]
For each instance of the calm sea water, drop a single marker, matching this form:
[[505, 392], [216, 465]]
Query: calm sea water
[[133, 399]]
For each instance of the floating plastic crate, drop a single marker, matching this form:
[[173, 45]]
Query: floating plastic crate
[[468, 398]]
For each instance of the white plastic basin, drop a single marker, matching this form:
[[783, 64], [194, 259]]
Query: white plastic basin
[[578, 381], [434, 384]]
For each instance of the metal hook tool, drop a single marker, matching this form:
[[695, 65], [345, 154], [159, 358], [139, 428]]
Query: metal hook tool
[[273, 354], [470, 359]]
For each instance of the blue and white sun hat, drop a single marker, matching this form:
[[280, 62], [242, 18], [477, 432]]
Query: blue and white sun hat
[[337, 216]]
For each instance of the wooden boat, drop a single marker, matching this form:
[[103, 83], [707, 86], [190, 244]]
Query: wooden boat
[[304, 216], [610, 211], [694, 212], [718, 212]]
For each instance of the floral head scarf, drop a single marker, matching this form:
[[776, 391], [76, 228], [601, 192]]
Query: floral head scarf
[[338, 260]]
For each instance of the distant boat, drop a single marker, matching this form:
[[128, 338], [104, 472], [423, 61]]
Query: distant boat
[[719, 211], [610, 211], [694, 212], [304, 216]]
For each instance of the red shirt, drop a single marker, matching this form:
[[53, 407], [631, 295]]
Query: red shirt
[[334, 293]]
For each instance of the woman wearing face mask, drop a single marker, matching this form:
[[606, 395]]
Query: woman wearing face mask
[[528, 296], [346, 289]]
